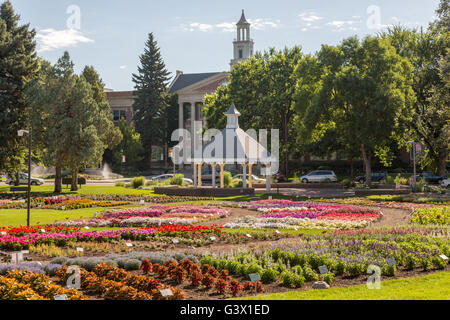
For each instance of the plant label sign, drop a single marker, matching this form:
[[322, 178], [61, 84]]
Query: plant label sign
[[3, 233], [142, 202], [323, 269], [270, 197], [277, 231], [60, 297], [254, 277], [248, 235], [42, 230], [129, 245], [25, 251], [87, 228], [213, 238], [166, 293], [391, 262], [80, 250], [16, 257], [444, 257], [175, 241]]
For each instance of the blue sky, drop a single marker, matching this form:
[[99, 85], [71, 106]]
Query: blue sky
[[196, 35]]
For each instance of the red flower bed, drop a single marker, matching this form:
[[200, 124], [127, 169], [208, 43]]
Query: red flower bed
[[172, 228], [37, 229]]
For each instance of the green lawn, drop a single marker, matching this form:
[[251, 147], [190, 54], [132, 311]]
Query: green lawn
[[18, 217], [90, 190], [431, 287]]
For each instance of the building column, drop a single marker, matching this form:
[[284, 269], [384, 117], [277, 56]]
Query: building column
[[250, 175], [222, 184], [194, 165], [244, 171], [268, 177], [200, 174], [213, 167], [181, 116]]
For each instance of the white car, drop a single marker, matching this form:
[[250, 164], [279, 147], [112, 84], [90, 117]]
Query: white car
[[23, 179], [445, 183], [165, 177], [254, 178], [319, 176]]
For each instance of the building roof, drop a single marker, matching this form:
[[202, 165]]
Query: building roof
[[116, 94], [186, 80], [243, 20]]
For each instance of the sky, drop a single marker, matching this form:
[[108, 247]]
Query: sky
[[196, 35]]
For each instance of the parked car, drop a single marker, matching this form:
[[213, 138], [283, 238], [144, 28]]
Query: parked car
[[376, 177], [319, 176], [430, 178], [445, 183], [164, 177], [279, 177], [23, 179], [254, 178], [207, 174]]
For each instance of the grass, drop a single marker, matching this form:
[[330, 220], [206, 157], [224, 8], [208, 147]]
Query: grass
[[88, 190], [430, 287], [18, 217]]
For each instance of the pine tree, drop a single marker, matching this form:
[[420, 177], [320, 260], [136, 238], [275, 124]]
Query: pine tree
[[150, 102], [18, 65]]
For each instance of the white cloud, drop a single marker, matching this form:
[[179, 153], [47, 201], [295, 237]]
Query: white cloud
[[310, 16], [227, 26], [261, 24], [51, 39], [123, 67], [256, 24], [343, 25]]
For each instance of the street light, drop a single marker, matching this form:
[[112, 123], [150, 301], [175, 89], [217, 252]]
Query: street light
[[20, 134], [413, 143]]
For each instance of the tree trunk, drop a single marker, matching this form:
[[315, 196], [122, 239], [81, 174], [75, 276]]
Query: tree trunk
[[17, 179], [367, 165], [352, 169], [442, 164], [58, 169], [150, 157], [74, 186]]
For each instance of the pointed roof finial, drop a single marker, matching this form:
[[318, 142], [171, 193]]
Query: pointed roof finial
[[232, 111], [243, 20]]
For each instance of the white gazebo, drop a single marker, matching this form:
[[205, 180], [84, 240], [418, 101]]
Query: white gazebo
[[232, 146]]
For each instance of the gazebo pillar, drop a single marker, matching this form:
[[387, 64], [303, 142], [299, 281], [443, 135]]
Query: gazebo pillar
[[222, 184], [200, 165], [194, 165], [250, 175], [268, 177], [213, 167], [244, 180]]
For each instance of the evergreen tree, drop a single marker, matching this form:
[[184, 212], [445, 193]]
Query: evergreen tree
[[151, 101], [18, 65]]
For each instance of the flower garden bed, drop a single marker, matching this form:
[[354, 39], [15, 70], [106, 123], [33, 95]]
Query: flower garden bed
[[156, 215], [286, 214]]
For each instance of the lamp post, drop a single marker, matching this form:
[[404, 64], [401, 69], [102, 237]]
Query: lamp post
[[20, 134], [413, 143]]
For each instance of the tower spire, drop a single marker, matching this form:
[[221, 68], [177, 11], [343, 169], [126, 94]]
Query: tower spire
[[243, 45]]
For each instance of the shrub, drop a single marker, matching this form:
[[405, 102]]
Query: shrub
[[120, 184], [236, 288], [328, 277], [348, 183], [132, 264], [227, 179], [310, 274], [221, 286], [196, 278], [138, 182], [269, 275], [297, 270], [177, 180], [208, 281], [292, 280], [355, 269], [146, 266]]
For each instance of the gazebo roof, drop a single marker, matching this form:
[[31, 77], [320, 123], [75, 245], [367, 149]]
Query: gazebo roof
[[233, 145]]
